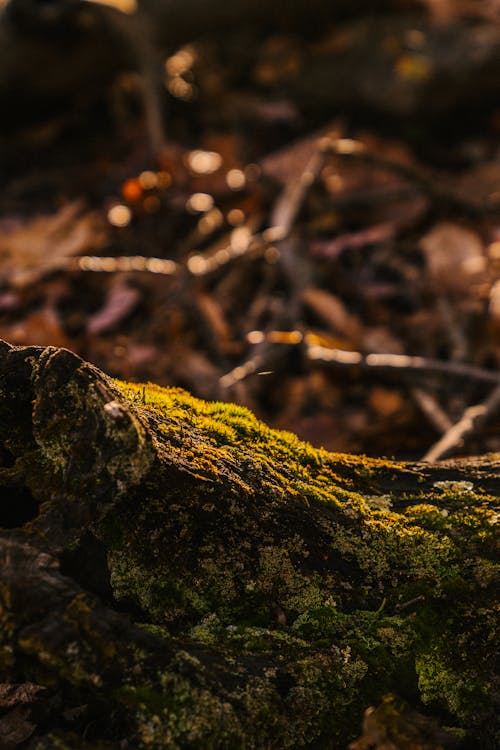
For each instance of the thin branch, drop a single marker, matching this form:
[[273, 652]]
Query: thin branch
[[473, 418], [242, 242], [400, 363], [350, 150], [342, 358], [291, 200], [269, 349], [111, 264], [430, 407]]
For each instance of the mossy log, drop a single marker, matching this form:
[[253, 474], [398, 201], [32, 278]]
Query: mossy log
[[175, 574]]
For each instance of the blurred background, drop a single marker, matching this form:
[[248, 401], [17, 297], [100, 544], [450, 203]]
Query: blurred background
[[294, 208]]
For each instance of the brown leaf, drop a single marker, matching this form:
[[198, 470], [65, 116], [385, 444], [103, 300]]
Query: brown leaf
[[289, 162], [12, 694], [380, 340], [31, 248], [480, 185], [194, 369], [332, 248], [120, 301], [41, 328], [333, 312], [15, 728], [392, 726], [214, 316], [454, 255]]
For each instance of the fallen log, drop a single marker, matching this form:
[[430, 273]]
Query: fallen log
[[175, 574]]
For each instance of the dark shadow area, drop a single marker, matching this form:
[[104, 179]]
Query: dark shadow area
[[87, 564], [17, 507]]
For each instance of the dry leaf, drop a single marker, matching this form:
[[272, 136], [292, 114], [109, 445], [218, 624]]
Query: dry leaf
[[12, 694], [120, 301], [380, 340], [41, 328], [31, 248], [15, 728], [454, 256], [333, 312], [124, 6], [479, 185], [332, 248], [392, 726], [288, 163], [215, 317], [194, 370]]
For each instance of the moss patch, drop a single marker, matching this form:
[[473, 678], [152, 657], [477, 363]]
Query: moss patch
[[256, 592]]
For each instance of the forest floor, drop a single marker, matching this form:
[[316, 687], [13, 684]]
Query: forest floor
[[269, 254]]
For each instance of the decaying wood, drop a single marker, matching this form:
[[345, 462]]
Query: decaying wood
[[174, 574]]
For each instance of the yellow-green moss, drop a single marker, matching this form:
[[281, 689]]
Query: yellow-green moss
[[235, 432], [259, 593]]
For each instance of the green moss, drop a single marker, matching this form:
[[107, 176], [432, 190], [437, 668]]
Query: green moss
[[273, 597], [463, 695], [279, 590], [234, 428], [173, 715]]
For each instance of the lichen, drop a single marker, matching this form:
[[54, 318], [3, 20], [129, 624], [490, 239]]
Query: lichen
[[268, 598], [251, 591]]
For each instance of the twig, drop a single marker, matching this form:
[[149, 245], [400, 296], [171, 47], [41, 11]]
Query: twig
[[266, 354], [242, 242], [293, 262], [342, 358], [373, 235], [429, 406], [409, 603], [291, 200], [111, 264], [350, 150], [401, 363], [239, 373], [471, 421]]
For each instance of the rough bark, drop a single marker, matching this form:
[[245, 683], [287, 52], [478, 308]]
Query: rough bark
[[175, 574]]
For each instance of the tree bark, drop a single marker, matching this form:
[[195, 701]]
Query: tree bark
[[175, 574]]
